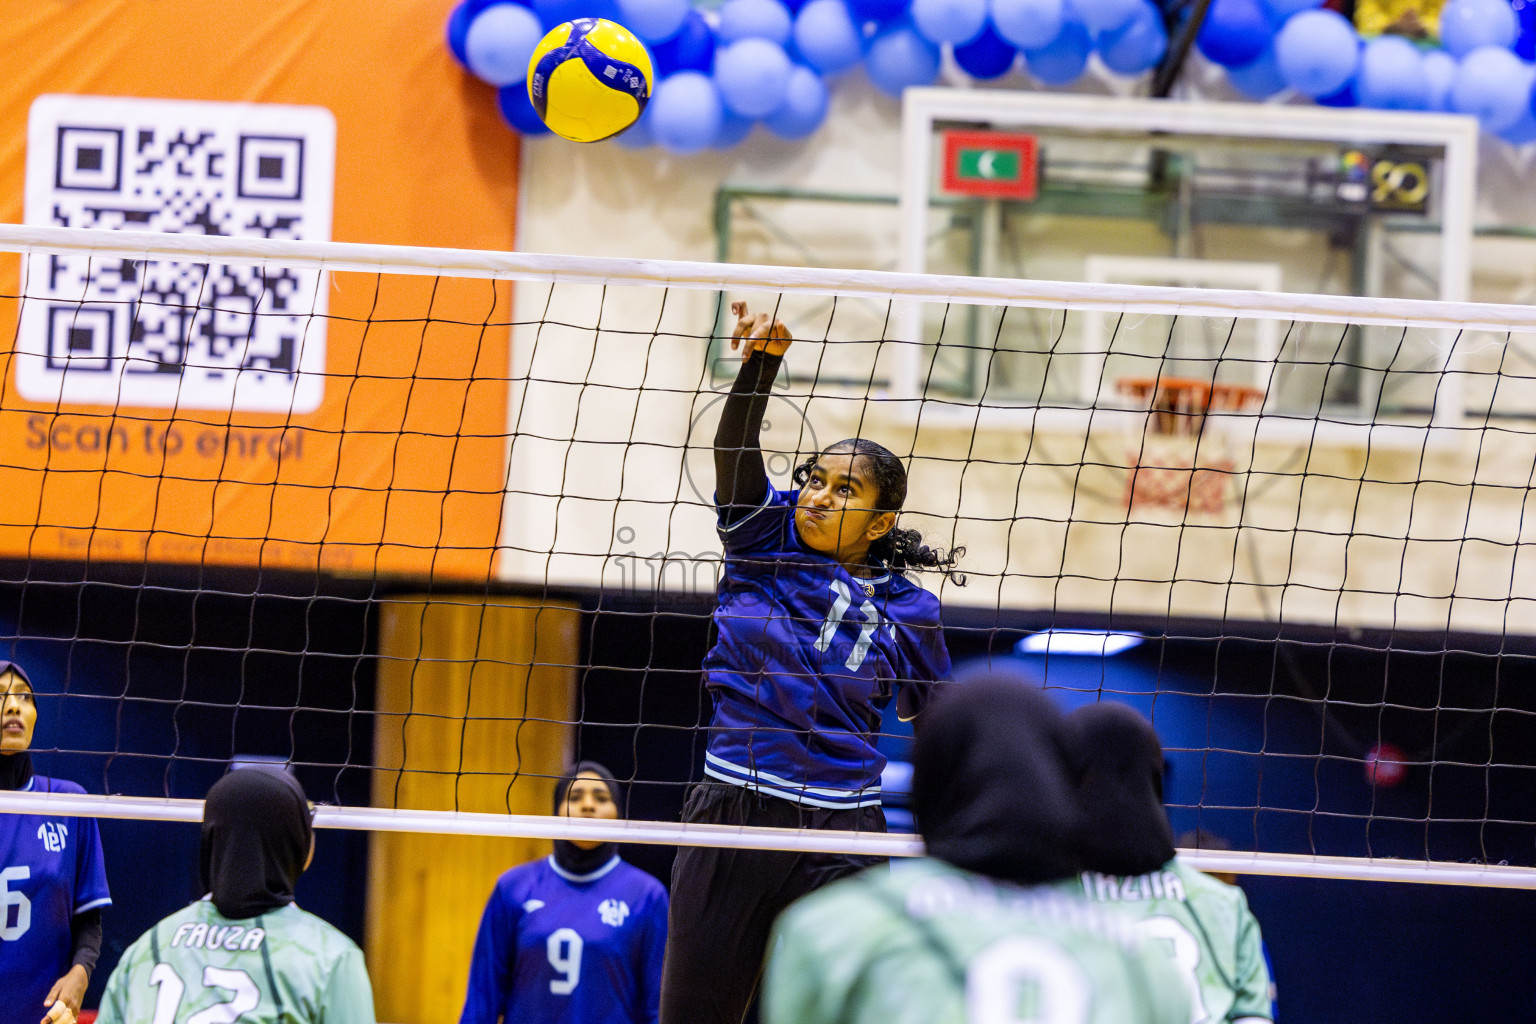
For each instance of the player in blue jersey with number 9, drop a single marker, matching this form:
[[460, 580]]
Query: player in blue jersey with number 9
[[818, 628], [53, 881], [575, 937]]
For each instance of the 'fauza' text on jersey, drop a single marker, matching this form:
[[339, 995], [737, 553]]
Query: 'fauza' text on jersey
[[561, 948], [284, 966], [1207, 928], [807, 655], [51, 868]]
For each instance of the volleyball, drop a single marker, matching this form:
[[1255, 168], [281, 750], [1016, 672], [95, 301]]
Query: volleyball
[[589, 79]]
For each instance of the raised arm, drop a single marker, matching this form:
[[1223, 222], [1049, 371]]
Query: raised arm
[[741, 482]]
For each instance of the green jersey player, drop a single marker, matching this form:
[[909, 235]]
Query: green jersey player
[[973, 933], [1128, 843], [245, 952]]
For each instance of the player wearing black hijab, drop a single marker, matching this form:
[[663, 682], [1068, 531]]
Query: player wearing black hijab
[[245, 951], [976, 931], [54, 867], [574, 937], [1128, 846]]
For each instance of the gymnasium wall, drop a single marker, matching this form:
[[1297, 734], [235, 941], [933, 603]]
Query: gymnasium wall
[[1359, 527], [1348, 526]]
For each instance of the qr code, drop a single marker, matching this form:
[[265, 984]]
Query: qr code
[[107, 331]]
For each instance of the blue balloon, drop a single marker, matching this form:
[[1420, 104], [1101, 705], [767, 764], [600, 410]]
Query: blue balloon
[[692, 49], [458, 25], [949, 21], [1136, 46], [805, 105], [1466, 25], [1344, 96], [1525, 42], [747, 19], [752, 75], [1492, 84], [1318, 52], [517, 109], [1062, 61], [1106, 15], [1260, 79], [899, 58], [733, 131], [826, 36], [1391, 75], [685, 112], [639, 134], [1234, 32], [1279, 10], [500, 42], [654, 21], [1028, 24], [880, 11], [1439, 70], [555, 12], [1523, 131], [987, 56]]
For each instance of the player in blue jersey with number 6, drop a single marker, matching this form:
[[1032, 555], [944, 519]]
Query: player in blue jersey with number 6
[[818, 628], [573, 938], [53, 881]]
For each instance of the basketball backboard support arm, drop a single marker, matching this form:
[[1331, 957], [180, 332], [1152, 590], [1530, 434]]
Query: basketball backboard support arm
[[922, 109]]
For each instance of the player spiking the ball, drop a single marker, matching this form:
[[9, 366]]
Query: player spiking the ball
[[1128, 845], [818, 628]]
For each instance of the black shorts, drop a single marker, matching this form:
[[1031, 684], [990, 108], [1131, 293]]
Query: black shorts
[[724, 901]]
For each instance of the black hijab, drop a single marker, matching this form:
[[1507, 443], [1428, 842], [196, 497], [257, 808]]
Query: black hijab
[[1119, 763], [256, 839], [990, 785], [15, 769], [568, 855]]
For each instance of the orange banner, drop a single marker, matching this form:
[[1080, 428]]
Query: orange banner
[[392, 458]]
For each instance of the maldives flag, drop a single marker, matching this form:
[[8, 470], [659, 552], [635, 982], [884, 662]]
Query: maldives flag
[[998, 165]]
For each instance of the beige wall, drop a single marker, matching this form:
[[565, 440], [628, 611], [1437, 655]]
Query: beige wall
[[1354, 531]]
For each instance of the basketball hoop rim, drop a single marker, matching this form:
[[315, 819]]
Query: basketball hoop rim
[[1191, 395]]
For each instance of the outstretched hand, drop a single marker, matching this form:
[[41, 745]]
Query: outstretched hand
[[759, 332]]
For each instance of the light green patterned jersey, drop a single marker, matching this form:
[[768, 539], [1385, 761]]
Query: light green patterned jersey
[[199, 967], [1206, 925], [928, 943]]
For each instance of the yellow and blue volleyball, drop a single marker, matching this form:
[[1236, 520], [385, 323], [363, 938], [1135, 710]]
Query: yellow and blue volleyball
[[589, 79]]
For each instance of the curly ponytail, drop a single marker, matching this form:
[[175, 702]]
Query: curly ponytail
[[899, 550]]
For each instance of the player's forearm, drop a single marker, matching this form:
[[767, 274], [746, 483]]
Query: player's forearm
[[85, 933], [740, 478]]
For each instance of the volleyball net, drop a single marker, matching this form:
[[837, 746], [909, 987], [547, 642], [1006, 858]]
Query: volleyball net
[[428, 525]]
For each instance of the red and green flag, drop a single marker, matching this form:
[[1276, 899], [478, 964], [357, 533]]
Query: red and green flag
[[996, 165]]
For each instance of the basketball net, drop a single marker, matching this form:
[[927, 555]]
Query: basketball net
[[1180, 460]]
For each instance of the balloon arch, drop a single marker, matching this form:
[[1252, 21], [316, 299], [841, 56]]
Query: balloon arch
[[719, 73]]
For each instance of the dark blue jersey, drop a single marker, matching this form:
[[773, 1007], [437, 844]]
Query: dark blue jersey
[[51, 868], [807, 655], [557, 947]]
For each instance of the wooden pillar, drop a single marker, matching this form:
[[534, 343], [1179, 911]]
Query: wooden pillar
[[474, 703]]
